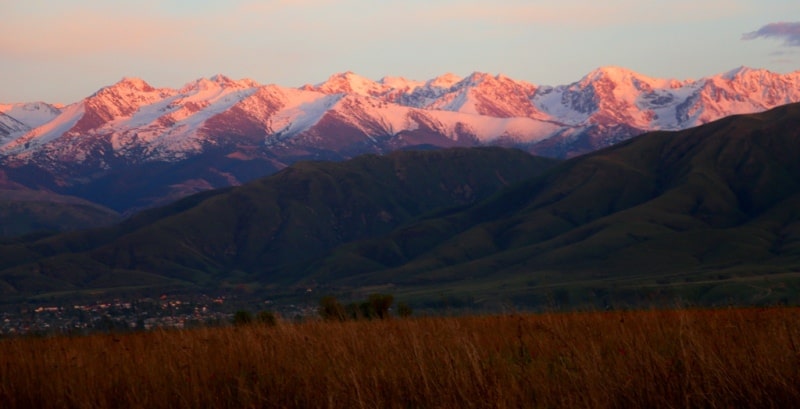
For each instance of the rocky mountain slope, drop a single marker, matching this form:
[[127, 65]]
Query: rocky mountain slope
[[216, 132]]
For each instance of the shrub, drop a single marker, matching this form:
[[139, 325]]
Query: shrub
[[242, 317], [268, 318], [330, 309], [379, 305], [404, 310], [354, 311]]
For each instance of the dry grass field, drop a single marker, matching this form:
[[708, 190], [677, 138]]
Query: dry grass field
[[648, 359]]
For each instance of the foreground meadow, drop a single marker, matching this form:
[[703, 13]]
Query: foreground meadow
[[679, 358]]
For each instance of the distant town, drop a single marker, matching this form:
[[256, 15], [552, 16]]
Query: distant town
[[118, 315]]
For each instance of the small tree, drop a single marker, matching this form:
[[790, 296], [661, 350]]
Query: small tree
[[330, 309], [367, 310], [404, 310], [268, 318], [353, 311], [379, 304], [242, 317]]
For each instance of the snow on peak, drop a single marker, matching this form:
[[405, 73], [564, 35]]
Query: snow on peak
[[200, 84], [444, 81], [741, 71], [755, 77], [127, 93], [226, 81], [221, 79], [119, 100], [626, 81], [612, 71], [135, 117], [131, 84], [400, 83], [349, 83], [488, 95], [476, 78], [49, 131], [217, 82], [618, 75], [32, 114]]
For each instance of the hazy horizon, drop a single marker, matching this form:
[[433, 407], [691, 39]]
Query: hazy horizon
[[63, 52]]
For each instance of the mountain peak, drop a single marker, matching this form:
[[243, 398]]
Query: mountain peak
[[132, 84], [743, 71], [608, 105], [399, 82], [218, 81], [200, 84], [477, 78], [613, 73], [446, 80], [347, 76], [628, 79], [226, 81], [32, 114], [348, 82], [221, 79]]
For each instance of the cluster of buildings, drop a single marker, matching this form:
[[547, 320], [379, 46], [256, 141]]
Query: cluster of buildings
[[141, 314]]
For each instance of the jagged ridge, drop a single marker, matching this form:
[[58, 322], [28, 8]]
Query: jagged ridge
[[132, 124]]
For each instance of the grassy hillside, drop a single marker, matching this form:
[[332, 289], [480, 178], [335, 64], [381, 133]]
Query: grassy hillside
[[742, 358], [24, 211], [259, 232], [709, 214]]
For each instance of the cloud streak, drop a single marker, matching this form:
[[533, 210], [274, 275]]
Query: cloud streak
[[789, 32]]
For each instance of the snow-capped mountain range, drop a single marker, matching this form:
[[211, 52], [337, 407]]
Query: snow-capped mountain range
[[230, 122]]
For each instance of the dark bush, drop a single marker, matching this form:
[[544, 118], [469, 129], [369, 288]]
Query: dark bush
[[379, 305], [242, 317], [404, 310], [268, 318], [330, 309]]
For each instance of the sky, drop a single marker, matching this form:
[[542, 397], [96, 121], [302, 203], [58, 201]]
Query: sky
[[61, 51]]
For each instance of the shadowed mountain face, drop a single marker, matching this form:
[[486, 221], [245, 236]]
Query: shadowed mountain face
[[707, 214], [261, 231], [28, 211], [24, 211]]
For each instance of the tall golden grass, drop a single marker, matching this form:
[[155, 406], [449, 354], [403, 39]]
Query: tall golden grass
[[682, 358]]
